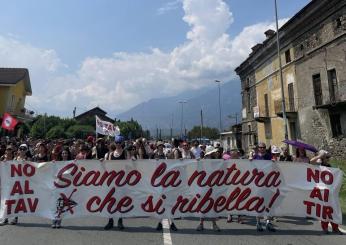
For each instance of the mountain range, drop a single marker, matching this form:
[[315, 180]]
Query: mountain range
[[166, 113]]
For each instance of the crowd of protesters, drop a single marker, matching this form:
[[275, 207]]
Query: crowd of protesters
[[121, 149]]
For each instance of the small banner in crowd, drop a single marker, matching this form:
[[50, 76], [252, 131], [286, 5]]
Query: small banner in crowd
[[106, 128], [8, 122], [169, 189]]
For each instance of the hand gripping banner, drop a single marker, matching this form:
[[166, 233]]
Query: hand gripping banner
[[169, 188]]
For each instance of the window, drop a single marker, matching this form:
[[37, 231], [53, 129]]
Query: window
[[335, 124], [338, 23], [301, 47], [291, 97], [293, 130], [268, 130], [248, 102], [288, 56], [266, 105], [316, 80], [250, 134], [333, 85]]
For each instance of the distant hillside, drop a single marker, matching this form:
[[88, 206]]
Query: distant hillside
[[158, 113]]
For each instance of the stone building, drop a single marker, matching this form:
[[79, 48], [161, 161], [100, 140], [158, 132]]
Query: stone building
[[313, 53], [320, 53]]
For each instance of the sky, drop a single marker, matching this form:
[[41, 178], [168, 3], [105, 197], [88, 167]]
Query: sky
[[118, 53]]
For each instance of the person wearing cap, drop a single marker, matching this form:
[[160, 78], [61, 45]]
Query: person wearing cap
[[322, 159], [22, 153], [212, 153], [159, 152], [275, 153], [117, 154]]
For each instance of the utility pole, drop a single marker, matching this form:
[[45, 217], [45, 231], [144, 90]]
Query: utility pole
[[201, 126], [220, 126], [280, 70], [182, 102]]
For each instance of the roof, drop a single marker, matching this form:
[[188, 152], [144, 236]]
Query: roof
[[11, 76], [95, 111]]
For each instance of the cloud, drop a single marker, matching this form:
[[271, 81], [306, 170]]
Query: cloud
[[124, 79], [173, 5]]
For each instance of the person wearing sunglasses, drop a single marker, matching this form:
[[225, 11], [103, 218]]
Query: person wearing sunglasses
[[262, 154], [22, 153]]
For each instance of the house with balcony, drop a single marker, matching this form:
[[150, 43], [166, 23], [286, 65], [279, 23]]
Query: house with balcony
[[14, 87]]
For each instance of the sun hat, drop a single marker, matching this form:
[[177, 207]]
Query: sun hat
[[275, 150]]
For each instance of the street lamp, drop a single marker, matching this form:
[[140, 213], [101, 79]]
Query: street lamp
[[182, 102], [218, 82], [280, 70]]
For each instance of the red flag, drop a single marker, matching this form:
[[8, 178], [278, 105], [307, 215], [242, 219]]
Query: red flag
[[8, 122]]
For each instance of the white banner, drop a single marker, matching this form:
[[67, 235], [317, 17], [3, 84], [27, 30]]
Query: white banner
[[169, 188], [106, 128]]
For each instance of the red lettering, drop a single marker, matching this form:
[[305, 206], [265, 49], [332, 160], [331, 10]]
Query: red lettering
[[28, 170], [316, 192], [327, 212], [70, 174], [124, 205], [326, 176], [9, 204]]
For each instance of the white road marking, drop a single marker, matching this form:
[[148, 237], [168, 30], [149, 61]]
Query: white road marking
[[167, 240]]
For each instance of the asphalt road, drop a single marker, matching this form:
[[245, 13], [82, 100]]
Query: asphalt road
[[141, 231]]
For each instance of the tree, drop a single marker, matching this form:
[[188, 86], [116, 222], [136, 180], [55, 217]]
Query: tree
[[211, 133], [80, 131], [130, 129], [56, 132]]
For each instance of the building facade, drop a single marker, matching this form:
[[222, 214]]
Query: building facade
[[14, 87], [313, 53]]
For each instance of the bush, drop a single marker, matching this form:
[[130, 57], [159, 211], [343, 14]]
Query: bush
[[80, 131], [56, 132]]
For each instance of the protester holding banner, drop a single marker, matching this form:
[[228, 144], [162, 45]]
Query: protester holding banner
[[22, 153], [159, 154], [285, 156], [185, 151], [301, 155], [262, 154], [42, 155], [118, 154], [212, 153], [322, 158]]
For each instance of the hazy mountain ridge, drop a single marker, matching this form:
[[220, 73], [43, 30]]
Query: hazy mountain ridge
[[158, 112]]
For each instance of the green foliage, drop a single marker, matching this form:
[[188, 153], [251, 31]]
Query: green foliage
[[130, 129], [80, 131], [211, 133], [56, 132], [42, 124]]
